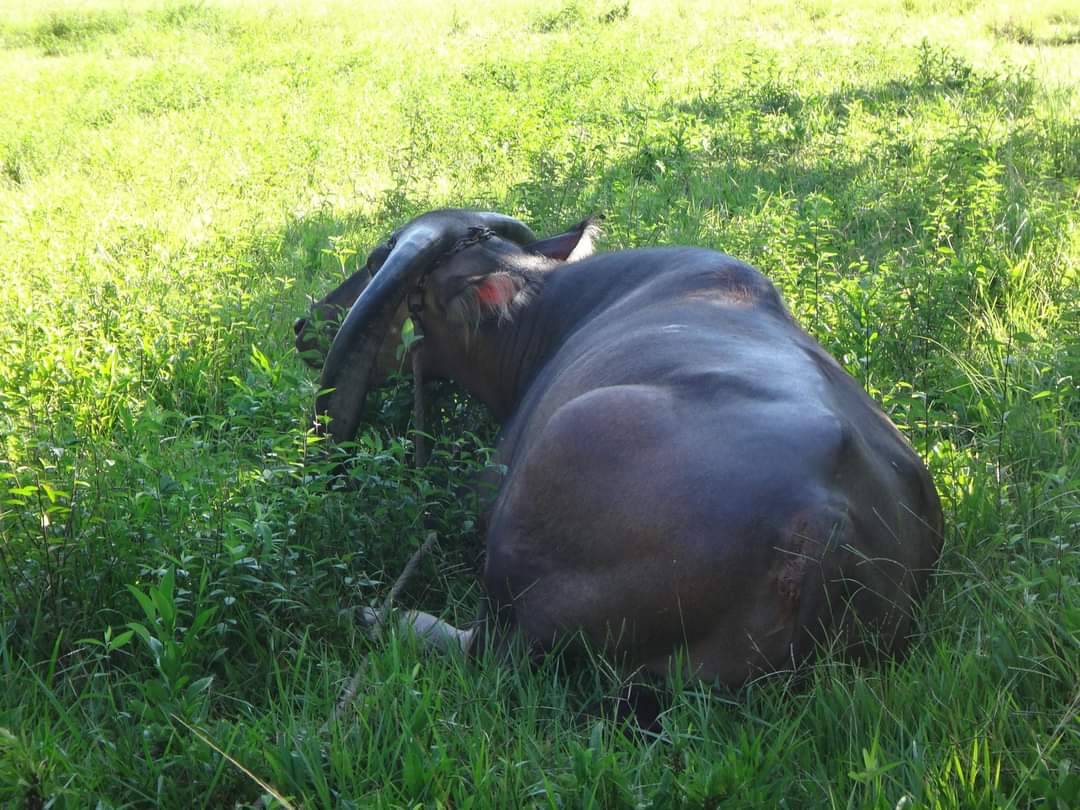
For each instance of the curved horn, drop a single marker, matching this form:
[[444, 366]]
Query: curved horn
[[351, 358], [506, 227]]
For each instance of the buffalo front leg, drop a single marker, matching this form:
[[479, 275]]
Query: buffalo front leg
[[434, 633]]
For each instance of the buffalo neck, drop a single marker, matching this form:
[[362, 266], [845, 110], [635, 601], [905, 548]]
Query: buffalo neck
[[499, 362], [494, 364]]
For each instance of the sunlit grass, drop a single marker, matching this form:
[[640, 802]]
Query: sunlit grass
[[177, 177]]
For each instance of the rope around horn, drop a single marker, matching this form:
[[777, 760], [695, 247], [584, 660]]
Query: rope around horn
[[348, 695], [421, 453], [420, 459]]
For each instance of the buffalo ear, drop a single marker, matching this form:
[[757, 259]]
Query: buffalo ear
[[497, 290], [576, 243], [489, 296]]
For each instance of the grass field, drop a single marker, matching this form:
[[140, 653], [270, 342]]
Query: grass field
[[179, 566]]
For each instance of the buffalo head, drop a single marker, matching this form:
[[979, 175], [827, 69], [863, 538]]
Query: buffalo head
[[316, 330], [454, 271]]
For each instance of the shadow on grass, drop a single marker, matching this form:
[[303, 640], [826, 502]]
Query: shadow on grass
[[766, 178]]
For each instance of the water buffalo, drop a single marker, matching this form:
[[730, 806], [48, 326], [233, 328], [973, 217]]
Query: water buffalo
[[686, 470]]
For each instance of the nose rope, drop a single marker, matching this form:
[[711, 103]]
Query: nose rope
[[415, 303]]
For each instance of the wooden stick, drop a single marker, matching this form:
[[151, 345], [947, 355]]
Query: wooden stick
[[348, 695]]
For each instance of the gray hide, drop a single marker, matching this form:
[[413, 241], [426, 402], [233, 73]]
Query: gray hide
[[687, 471]]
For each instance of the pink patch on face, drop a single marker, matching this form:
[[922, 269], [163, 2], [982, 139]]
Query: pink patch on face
[[495, 291]]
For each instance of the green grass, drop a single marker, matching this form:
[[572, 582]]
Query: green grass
[[178, 562]]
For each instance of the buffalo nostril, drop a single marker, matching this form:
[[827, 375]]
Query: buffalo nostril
[[298, 325]]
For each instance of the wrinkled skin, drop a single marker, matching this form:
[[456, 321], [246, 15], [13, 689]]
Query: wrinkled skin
[[688, 473]]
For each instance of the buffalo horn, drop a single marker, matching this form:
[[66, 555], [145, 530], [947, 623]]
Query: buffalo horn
[[351, 359]]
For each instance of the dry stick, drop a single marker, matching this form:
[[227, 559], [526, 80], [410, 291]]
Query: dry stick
[[406, 575], [349, 694]]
